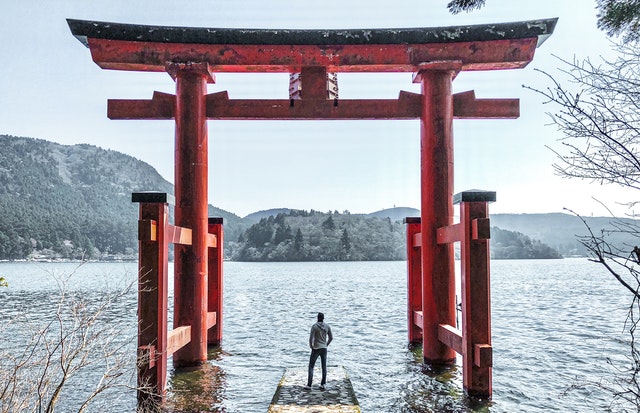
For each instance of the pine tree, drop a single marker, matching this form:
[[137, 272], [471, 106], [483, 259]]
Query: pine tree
[[328, 224], [616, 17]]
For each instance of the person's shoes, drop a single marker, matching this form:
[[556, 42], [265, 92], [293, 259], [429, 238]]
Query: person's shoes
[[307, 387], [322, 387]]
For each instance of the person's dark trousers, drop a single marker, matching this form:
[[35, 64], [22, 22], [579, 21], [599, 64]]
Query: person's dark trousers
[[322, 352]]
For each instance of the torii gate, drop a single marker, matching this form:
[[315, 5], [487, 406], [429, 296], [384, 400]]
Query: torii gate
[[435, 55]]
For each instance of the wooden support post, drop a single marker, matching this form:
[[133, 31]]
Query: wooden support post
[[414, 280], [313, 83], [152, 296], [438, 271], [191, 162], [476, 296], [215, 286]]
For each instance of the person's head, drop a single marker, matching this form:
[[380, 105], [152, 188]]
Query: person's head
[[320, 317]]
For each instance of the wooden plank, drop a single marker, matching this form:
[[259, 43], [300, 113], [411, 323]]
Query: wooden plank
[[417, 318], [178, 338], [179, 235], [147, 356], [450, 336], [212, 319], [220, 107], [483, 355], [466, 106], [212, 241], [417, 240], [480, 229], [161, 106], [147, 230], [152, 56], [291, 396], [449, 234]]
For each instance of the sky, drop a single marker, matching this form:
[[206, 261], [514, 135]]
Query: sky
[[50, 89]]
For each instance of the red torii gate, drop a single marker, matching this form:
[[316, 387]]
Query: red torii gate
[[435, 56]]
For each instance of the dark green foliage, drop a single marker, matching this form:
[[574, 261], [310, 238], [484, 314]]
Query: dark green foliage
[[620, 17], [68, 201], [457, 6], [322, 237], [352, 237], [75, 201], [61, 201], [515, 245], [328, 224], [616, 17]]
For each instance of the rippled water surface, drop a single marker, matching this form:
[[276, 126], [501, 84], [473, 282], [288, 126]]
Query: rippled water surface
[[555, 323]]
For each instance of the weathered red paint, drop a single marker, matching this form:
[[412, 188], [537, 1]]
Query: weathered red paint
[[414, 280], [155, 342], [466, 106], [476, 301], [152, 56], [152, 299], [191, 189], [451, 337], [198, 264], [178, 338], [473, 341], [436, 165], [215, 285], [407, 106]]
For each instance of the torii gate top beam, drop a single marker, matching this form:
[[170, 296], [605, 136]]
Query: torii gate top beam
[[149, 48]]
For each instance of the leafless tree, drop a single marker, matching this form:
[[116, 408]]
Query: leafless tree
[[73, 354], [597, 109]]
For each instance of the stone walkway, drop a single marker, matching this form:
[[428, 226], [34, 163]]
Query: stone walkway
[[292, 396]]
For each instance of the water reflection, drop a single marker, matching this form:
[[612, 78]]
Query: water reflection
[[436, 389], [561, 325], [198, 389]]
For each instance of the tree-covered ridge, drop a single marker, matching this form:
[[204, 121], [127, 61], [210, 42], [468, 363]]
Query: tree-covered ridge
[[334, 236], [69, 201], [59, 201], [317, 236], [515, 245]]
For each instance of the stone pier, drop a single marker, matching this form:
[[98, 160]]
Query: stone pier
[[293, 397]]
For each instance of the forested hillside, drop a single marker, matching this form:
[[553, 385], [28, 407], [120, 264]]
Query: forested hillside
[[59, 201], [510, 245], [562, 231], [317, 236]]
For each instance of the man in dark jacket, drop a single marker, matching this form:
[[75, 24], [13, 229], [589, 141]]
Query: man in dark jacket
[[319, 339]]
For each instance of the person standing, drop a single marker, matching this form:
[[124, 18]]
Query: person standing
[[319, 339]]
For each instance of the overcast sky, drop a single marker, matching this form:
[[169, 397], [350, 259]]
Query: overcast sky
[[50, 89]]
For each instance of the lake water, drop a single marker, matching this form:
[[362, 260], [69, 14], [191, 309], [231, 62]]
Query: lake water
[[555, 324]]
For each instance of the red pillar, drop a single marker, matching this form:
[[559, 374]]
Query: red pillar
[[438, 271], [476, 296], [152, 295], [191, 154], [215, 287], [414, 279]]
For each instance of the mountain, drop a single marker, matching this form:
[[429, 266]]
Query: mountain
[[72, 201], [395, 214], [315, 236], [255, 217], [562, 231], [61, 201]]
